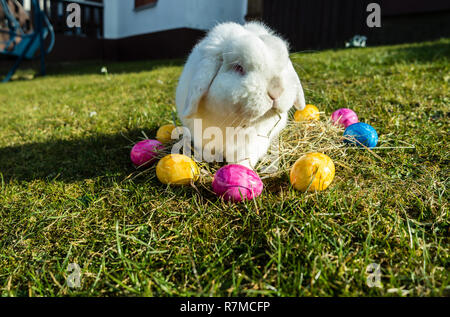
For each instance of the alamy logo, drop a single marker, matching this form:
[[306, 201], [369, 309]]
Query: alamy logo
[[213, 144], [74, 278], [374, 18], [373, 272], [74, 17]]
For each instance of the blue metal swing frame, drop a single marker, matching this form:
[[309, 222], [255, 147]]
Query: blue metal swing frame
[[29, 43]]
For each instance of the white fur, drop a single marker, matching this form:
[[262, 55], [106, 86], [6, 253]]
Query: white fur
[[210, 89]]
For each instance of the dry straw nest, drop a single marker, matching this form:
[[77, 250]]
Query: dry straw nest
[[297, 139]]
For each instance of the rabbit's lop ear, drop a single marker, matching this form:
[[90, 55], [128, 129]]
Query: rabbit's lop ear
[[300, 99], [206, 70], [299, 102]]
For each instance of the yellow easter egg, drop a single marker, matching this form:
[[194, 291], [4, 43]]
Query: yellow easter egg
[[164, 134], [310, 113], [312, 172], [177, 169]]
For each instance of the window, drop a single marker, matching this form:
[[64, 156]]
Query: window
[[144, 4]]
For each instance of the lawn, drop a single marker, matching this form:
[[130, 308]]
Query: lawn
[[69, 193]]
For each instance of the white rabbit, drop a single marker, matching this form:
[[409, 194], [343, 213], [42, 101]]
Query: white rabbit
[[238, 76]]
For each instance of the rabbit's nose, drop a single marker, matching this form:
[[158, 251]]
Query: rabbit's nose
[[275, 88]]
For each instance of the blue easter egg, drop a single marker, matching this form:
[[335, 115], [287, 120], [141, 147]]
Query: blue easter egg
[[361, 133]]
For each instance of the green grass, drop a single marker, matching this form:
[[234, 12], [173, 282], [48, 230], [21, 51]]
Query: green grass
[[65, 195]]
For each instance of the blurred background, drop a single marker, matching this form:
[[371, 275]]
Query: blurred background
[[119, 30]]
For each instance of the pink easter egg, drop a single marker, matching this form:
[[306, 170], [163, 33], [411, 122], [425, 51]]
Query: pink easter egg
[[145, 152], [236, 183], [344, 117]]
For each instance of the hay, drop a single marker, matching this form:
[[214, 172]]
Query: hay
[[296, 140], [299, 138]]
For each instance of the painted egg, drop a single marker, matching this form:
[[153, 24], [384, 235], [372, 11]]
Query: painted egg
[[312, 172], [177, 169], [310, 113], [344, 117], [361, 134], [164, 133], [237, 183], [145, 152]]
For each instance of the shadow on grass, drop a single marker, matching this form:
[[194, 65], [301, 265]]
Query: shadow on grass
[[426, 52], [95, 67], [79, 68], [409, 53], [70, 160]]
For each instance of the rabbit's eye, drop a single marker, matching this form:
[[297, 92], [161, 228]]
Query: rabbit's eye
[[238, 69]]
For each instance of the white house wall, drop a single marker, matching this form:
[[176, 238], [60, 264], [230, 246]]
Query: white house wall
[[121, 20]]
